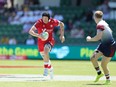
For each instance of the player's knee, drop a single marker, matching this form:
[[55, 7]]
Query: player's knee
[[46, 50], [92, 58]]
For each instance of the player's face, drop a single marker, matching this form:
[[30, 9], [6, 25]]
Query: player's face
[[45, 19]]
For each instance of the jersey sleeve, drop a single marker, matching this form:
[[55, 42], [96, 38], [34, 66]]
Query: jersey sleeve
[[100, 27], [37, 24], [56, 22]]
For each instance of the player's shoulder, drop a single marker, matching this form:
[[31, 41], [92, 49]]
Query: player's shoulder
[[102, 23], [39, 21], [53, 20]]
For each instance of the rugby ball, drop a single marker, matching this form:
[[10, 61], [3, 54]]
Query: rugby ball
[[88, 37], [45, 35]]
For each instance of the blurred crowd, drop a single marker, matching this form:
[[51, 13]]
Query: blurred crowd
[[26, 17]]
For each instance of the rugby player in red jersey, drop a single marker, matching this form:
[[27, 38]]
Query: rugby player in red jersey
[[46, 24]]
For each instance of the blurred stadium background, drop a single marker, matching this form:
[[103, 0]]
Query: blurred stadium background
[[17, 17]]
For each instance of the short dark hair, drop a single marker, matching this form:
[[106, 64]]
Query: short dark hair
[[46, 14], [98, 14]]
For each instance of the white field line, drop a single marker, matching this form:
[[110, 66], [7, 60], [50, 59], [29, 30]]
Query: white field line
[[33, 77]]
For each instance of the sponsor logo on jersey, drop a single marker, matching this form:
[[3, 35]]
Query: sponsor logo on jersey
[[51, 26]]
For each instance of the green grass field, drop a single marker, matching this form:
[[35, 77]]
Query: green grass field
[[56, 84], [60, 68]]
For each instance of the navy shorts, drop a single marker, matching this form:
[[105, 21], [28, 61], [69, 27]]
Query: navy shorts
[[108, 50]]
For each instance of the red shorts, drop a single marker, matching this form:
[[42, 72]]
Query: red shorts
[[41, 44]]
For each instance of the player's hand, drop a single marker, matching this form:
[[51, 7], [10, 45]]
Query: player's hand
[[40, 36], [88, 38], [62, 38]]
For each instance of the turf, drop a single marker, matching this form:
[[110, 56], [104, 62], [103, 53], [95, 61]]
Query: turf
[[56, 84], [60, 67]]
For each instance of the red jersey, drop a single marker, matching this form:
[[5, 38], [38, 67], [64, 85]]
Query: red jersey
[[49, 27]]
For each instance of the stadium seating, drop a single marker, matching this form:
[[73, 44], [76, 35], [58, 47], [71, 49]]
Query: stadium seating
[[68, 13], [15, 30]]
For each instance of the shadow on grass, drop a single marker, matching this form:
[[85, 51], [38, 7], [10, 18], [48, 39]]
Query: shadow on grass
[[94, 84]]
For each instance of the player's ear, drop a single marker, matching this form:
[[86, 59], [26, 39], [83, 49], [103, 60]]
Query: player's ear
[[48, 18]]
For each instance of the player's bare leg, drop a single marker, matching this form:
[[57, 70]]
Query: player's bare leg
[[47, 62], [104, 63], [94, 60], [47, 49]]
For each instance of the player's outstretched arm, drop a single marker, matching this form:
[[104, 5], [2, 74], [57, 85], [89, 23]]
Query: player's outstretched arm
[[62, 38], [95, 38], [33, 33]]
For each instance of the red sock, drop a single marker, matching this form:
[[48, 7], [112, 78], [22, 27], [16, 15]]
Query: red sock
[[45, 65], [49, 66]]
